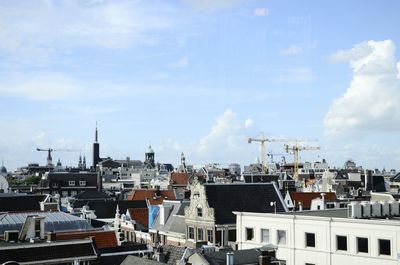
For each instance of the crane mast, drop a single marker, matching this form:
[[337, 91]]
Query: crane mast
[[262, 140], [295, 149]]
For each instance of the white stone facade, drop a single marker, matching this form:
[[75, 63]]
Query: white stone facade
[[325, 230]]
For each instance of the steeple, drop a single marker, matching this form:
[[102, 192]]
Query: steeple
[[96, 140]]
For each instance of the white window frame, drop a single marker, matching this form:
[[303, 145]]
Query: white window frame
[[71, 183], [261, 235], [82, 183]]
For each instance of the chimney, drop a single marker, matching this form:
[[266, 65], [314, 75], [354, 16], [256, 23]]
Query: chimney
[[229, 258], [264, 258]]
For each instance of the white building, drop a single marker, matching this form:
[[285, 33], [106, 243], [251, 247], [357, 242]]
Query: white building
[[326, 237]]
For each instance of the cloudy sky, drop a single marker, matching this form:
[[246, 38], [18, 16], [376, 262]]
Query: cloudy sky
[[199, 76]]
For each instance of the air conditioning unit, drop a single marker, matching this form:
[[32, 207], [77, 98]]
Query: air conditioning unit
[[366, 209], [385, 208], [354, 210], [11, 235], [376, 210], [394, 208]]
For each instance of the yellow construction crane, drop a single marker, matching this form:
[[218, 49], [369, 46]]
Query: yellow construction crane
[[262, 140], [295, 149]]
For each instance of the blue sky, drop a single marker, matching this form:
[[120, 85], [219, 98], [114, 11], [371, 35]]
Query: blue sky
[[199, 77]]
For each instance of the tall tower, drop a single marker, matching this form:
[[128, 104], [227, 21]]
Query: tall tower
[[149, 157], [96, 150]]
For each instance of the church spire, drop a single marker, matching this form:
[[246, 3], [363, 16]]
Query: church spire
[[96, 135]]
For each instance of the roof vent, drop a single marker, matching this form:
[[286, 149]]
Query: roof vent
[[394, 208]]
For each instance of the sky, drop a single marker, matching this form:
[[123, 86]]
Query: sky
[[200, 77]]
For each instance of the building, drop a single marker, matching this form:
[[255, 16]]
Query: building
[[68, 184], [366, 233], [209, 218]]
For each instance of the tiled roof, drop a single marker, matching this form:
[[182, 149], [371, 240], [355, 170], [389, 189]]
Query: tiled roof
[[306, 197], [150, 194], [178, 178], [140, 215], [173, 253], [103, 239]]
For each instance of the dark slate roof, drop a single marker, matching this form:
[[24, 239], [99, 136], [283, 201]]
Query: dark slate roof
[[173, 253], [19, 203], [395, 178], [248, 197], [106, 209], [240, 257], [42, 252], [132, 260], [62, 178], [181, 210], [91, 194]]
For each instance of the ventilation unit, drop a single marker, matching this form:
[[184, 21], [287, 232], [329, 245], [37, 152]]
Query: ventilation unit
[[394, 208], [376, 210], [385, 208], [354, 210], [366, 209]]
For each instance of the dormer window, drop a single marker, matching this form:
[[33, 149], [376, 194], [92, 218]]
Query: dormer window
[[82, 183], [199, 212], [71, 183]]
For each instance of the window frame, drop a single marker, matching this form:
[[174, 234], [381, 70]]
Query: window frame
[[247, 229], [312, 241], [379, 247], [71, 183], [190, 228], [200, 229], [262, 237], [199, 211], [82, 183], [210, 235], [277, 236], [358, 244], [337, 243]]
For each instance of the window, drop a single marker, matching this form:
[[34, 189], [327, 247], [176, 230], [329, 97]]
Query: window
[[249, 233], [200, 234], [73, 193], [199, 212], [55, 185], [330, 205], [191, 232], [362, 244], [210, 237], [341, 243], [71, 183], [65, 193], [265, 235], [281, 235], [310, 264], [82, 183], [310, 240], [384, 247]]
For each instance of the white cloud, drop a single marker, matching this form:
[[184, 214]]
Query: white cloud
[[296, 75], [182, 63], [211, 4], [248, 123], [371, 102], [227, 139], [261, 12], [292, 50], [35, 31], [44, 86]]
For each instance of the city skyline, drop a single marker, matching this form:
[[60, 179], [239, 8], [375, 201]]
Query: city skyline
[[199, 77]]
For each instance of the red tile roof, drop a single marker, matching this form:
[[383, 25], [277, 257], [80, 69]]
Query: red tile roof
[[179, 178], [150, 194], [140, 215], [103, 239], [306, 197]]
